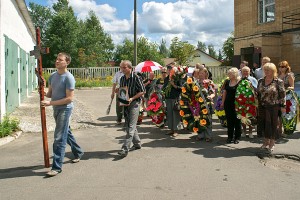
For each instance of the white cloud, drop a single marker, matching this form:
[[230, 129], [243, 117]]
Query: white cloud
[[209, 21]]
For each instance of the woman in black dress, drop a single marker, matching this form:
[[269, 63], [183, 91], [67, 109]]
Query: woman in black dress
[[229, 90]]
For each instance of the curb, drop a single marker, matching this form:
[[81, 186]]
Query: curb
[[10, 138]]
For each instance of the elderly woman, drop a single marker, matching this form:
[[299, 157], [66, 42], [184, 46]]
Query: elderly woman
[[173, 117], [228, 99], [271, 98], [246, 75], [208, 90]]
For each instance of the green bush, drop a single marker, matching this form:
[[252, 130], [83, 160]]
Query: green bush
[[96, 82], [8, 125]]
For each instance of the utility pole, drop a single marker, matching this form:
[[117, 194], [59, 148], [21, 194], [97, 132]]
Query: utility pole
[[37, 53], [134, 37]]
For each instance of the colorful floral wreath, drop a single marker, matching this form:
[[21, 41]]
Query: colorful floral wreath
[[220, 112], [193, 108], [289, 118], [176, 74], [156, 109], [245, 102]]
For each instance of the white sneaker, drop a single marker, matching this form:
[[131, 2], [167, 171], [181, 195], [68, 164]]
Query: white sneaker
[[251, 135], [243, 134]]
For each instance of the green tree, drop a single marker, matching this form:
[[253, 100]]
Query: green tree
[[62, 34], [211, 51], [181, 51], [41, 16], [220, 57], [227, 50], [201, 46], [95, 46], [163, 50], [145, 51]]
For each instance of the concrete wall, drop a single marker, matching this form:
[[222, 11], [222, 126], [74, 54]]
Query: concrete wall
[[16, 24]]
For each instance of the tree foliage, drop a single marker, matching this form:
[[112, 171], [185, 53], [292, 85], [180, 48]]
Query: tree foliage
[[181, 51], [145, 51], [41, 17], [62, 34], [163, 50], [211, 51], [228, 47], [95, 47], [201, 46]]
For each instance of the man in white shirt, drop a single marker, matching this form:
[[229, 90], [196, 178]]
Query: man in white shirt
[[259, 72], [116, 84]]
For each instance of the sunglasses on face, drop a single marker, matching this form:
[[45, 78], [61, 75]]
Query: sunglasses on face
[[282, 66], [163, 72]]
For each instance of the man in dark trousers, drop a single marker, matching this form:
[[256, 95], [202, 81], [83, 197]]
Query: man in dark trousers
[[136, 90]]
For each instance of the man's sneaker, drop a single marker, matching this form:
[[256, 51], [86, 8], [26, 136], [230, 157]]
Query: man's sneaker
[[251, 135], [52, 173], [123, 153], [76, 160], [118, 123], [135, 147]]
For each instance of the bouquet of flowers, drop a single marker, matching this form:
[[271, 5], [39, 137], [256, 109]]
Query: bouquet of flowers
[[289, 118], [194, 110], [156, 109], [176, 74], [220, 112], [245, 102]]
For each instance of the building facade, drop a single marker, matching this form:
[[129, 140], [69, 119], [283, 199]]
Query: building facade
[[267, 28], [17, 39]]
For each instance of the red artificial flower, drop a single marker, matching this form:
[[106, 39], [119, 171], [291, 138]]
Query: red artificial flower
[[288, 106]]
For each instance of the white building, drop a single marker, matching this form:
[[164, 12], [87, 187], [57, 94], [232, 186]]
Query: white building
[[17, 78]]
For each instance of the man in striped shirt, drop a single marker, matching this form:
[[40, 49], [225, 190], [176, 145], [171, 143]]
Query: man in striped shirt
[[136, 90]]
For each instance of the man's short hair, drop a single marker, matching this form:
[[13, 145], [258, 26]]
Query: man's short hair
[[127, 63], [68, 57]]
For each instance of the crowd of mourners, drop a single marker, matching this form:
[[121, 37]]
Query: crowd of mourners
[[258, 98], [183, 98]]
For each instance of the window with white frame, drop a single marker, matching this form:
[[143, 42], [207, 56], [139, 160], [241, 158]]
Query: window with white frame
[[266, 11]]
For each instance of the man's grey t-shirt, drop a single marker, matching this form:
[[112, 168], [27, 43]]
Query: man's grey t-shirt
[[60, 83]]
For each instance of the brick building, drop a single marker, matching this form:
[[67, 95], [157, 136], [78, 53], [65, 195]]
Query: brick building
[[267, 28]]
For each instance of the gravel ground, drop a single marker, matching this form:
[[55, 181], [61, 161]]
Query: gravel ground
[[30, 121]]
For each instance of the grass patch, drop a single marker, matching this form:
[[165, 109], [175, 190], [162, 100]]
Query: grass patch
[[96, 82], [8, 126]]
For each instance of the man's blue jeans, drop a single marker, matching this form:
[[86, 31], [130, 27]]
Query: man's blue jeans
[[62, 136]]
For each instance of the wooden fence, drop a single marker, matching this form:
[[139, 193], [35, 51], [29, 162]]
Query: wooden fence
[[218, 72]]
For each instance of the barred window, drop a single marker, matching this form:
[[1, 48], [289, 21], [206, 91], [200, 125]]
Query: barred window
[[266, 11]]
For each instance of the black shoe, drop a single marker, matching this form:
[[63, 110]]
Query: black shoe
[[229, 140], [236, 141], [135, 148], [123, 153]]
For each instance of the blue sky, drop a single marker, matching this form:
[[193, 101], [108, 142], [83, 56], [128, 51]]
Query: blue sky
[[209, 21]]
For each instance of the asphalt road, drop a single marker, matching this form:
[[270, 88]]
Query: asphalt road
[[165, 168]]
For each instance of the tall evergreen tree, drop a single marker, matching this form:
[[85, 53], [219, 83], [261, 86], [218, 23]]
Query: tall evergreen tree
[[220, 57], [228, 50], [211, 51], [201, 46], [62, 34], [95, 46], [163, 50], [41, 16]]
